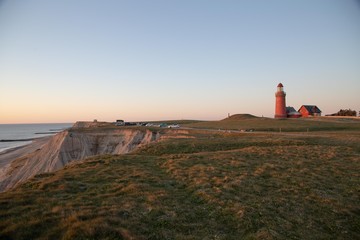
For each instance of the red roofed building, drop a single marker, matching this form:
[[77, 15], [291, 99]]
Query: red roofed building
[[309, 110], [282, 112]]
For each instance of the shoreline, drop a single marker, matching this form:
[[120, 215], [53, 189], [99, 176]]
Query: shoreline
[[29, 140], [11, 149], [8, 155], [18, 140]]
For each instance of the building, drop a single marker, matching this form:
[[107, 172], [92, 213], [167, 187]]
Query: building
[[119, 122], [309, 110], [282, 112], [280, 104], [292, 113]]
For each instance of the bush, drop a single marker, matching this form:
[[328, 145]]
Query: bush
[[346, 112]]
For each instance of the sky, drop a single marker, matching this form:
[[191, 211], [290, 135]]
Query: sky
[[64, 61]]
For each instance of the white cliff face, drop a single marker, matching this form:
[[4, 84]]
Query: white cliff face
[[68, 146]]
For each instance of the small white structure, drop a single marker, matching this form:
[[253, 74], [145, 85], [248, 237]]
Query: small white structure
[[119, 123]]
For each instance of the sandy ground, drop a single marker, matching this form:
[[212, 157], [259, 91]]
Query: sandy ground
[[11, 154]]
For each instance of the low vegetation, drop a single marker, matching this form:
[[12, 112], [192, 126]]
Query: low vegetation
[[207, 185], [248, 122], [345, 112]]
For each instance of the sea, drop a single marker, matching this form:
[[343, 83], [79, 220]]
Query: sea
[[16, 135]]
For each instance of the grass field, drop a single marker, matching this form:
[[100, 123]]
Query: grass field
[[210, 185], [246, 122]]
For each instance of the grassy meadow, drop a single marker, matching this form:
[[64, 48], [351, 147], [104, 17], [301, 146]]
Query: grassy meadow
[[204, 185], [250, 122]]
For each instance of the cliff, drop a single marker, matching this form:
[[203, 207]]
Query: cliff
[[71, 145]]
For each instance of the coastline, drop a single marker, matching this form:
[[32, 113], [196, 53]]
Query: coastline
[[11, 149], [8, 155], [17, 140], [13, 136], [29, 140]]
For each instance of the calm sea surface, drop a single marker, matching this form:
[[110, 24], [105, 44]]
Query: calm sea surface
[[27, 131]]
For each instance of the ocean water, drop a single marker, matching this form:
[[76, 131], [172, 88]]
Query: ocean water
[[27, 131]]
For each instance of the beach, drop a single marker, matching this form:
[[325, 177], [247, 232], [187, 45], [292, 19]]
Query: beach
[[9, 155]]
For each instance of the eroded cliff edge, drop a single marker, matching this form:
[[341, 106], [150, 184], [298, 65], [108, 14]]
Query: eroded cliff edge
[[70, 145]]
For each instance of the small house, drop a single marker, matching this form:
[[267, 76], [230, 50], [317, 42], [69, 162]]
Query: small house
[[309, 110], [292, 113]]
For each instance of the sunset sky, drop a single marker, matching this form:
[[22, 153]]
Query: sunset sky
[[63, 61]]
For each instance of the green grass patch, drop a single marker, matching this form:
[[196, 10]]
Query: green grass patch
[[276, 125], [207, 186]]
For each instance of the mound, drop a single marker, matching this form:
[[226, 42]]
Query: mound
[[240, 117]]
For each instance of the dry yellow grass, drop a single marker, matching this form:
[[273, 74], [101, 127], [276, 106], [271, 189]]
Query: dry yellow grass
[[245, 122], [209, 186]]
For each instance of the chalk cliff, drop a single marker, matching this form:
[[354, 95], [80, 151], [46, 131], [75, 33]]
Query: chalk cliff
[[74, 144]]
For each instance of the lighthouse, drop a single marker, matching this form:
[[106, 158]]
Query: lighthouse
[[280, 105]]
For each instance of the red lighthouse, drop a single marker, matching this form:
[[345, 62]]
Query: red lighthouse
[[280, 105]]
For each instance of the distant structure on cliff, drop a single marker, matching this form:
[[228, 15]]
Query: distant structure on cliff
[[282, 112], [280, 104]]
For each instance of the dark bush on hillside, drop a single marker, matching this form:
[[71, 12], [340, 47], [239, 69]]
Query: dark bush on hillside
[[345, 112]]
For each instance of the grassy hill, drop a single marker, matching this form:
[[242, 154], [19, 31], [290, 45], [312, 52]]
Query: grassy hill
[[244, 116], [247, 121], [208, 185]]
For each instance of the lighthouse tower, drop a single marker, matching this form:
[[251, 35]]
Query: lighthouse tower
[[280, 105]]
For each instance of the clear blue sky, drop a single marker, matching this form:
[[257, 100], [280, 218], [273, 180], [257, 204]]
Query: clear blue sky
[[62, 61]]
